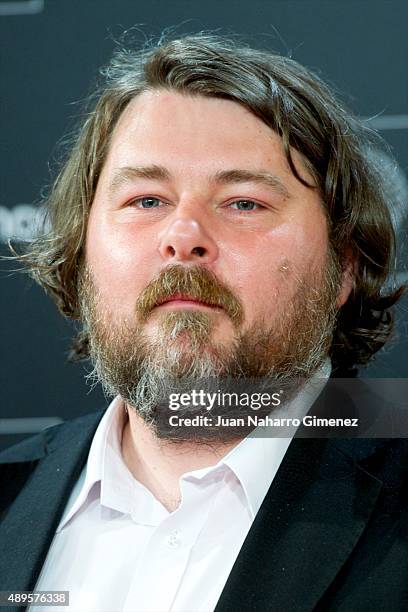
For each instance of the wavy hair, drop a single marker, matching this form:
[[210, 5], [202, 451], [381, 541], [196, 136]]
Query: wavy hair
[[295, 103]]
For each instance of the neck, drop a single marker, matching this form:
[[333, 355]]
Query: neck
[[158, 464]]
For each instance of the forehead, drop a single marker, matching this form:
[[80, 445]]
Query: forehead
[[196, 134]]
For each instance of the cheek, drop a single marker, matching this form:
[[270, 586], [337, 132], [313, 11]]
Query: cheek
[[274, 263], [120, 262]]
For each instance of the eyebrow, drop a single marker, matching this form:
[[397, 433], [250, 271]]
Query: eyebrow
[[263, 177], [128, 174]]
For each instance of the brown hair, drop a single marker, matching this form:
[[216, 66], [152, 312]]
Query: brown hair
[[293, 102]]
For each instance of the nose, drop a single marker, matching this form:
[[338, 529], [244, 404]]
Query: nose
[[185, 240]]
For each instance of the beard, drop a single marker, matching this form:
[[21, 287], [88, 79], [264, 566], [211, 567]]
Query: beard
[[180, 355]]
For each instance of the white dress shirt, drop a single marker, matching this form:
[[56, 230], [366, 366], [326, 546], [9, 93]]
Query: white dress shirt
[[118, 549]]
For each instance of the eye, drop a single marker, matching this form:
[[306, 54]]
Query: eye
[[245, 205], [148, 202]]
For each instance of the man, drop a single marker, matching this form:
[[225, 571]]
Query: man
[[218, 218]]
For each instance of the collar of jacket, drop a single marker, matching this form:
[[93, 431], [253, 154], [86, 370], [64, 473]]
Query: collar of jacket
[[36, 478]]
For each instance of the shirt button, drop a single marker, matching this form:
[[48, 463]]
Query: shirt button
[[173, 540]]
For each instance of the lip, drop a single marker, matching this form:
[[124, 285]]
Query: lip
[[185, 301]]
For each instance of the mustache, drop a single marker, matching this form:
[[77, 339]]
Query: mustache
[[195, 282]]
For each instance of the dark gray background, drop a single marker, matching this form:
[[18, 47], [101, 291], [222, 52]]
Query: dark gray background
[[49, 56]]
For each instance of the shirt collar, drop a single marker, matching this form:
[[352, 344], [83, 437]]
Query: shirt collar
[[255, 460], [104, 458]]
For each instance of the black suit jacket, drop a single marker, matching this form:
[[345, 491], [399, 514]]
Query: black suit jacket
[[331, 534]]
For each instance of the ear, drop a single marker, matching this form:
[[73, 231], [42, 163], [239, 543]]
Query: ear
[[348, 277]]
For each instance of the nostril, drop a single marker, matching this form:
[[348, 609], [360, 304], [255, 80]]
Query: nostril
[[171, 250], [200, 251]]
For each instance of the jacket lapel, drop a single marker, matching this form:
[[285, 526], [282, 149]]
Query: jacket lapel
[[27, 529], [312, 517]]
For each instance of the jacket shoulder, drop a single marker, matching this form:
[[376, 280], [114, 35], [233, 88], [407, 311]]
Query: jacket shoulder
[[19, 462], [35, 447]]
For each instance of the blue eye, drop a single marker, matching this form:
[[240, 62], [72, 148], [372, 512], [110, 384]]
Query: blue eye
[[148, 202], [245, 205]]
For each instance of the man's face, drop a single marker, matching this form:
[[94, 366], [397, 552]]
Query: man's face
[[196, 184]]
